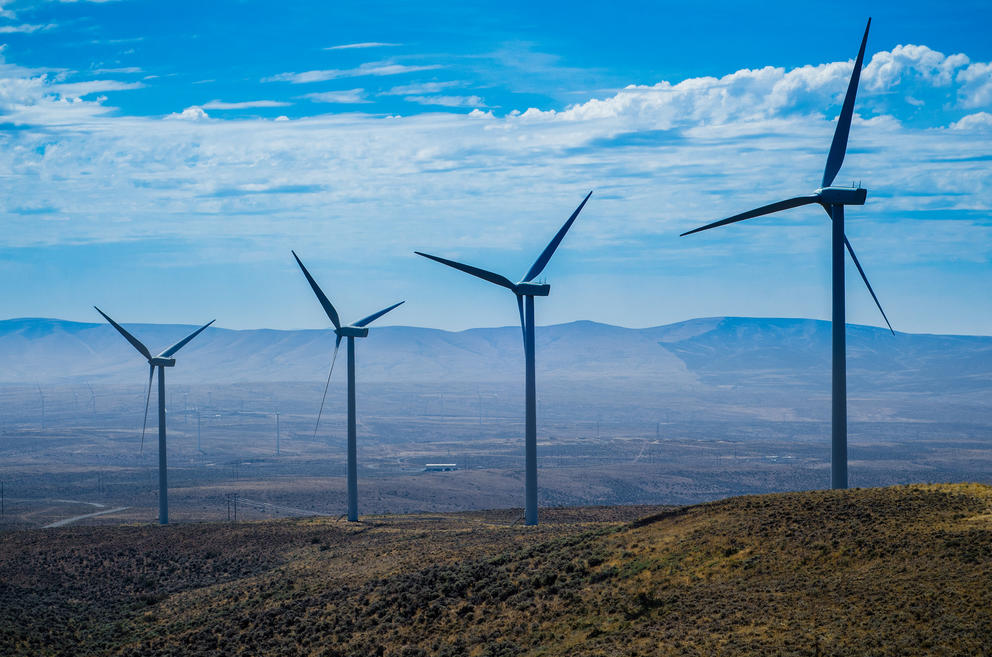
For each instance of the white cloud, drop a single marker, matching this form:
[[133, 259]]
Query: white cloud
[[755, 94], [978, 121], [221, 105], [662, 158], [887, 69], [370, 68], [366, 44], [344, 96], [193, 113], [447, 101], [976, 85], [745, 95]]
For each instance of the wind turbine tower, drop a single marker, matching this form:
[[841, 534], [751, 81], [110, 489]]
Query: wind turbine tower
[[525, 291], [351, 331], [163, 360], [832, 198]]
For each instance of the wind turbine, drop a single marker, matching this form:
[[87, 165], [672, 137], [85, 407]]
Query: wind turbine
[[351, 331], [163, 360], [832, 198], [525, 292]]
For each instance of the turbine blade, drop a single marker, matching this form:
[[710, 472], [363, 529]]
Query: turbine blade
[[374, 316], [838, 147], [333, 360], [135, 342], [861, 271], [520, 307], [144, 423], [549, 250], [182, 343], [474, 271], [757, 212], [328, 308]]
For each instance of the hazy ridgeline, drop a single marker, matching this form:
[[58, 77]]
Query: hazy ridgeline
[[682, 413]]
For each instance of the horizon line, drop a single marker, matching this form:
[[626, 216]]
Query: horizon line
[[505, 326]]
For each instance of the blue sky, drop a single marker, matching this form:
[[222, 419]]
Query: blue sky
[[161, 159]]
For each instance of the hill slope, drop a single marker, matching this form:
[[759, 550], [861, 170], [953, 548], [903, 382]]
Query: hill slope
[[896, 571], [712, 351]]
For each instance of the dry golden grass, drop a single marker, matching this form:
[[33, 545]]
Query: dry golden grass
[[893, 571]]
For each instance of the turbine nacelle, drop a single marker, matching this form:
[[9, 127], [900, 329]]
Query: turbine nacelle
[[352, 332], [158, 361], [842, 195], [527, 289]]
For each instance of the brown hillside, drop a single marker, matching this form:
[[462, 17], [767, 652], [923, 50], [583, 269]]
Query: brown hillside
[[894, 571]]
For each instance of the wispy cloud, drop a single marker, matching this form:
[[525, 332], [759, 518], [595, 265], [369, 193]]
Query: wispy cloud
[[532, 70], [421, 88], [35, 210], [26, 28], [248, 104], [661, 157], [345, 96], [122, 69], [366, 44], [80, 89], [110, 42], [371, 68], [249, 190], [447, 101]]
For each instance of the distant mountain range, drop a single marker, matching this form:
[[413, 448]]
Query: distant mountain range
[[699, 352]]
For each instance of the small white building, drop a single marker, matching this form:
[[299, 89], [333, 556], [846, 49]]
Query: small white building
[[440, 467]]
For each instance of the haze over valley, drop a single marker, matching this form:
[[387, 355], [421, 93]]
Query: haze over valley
[[682, 413]]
